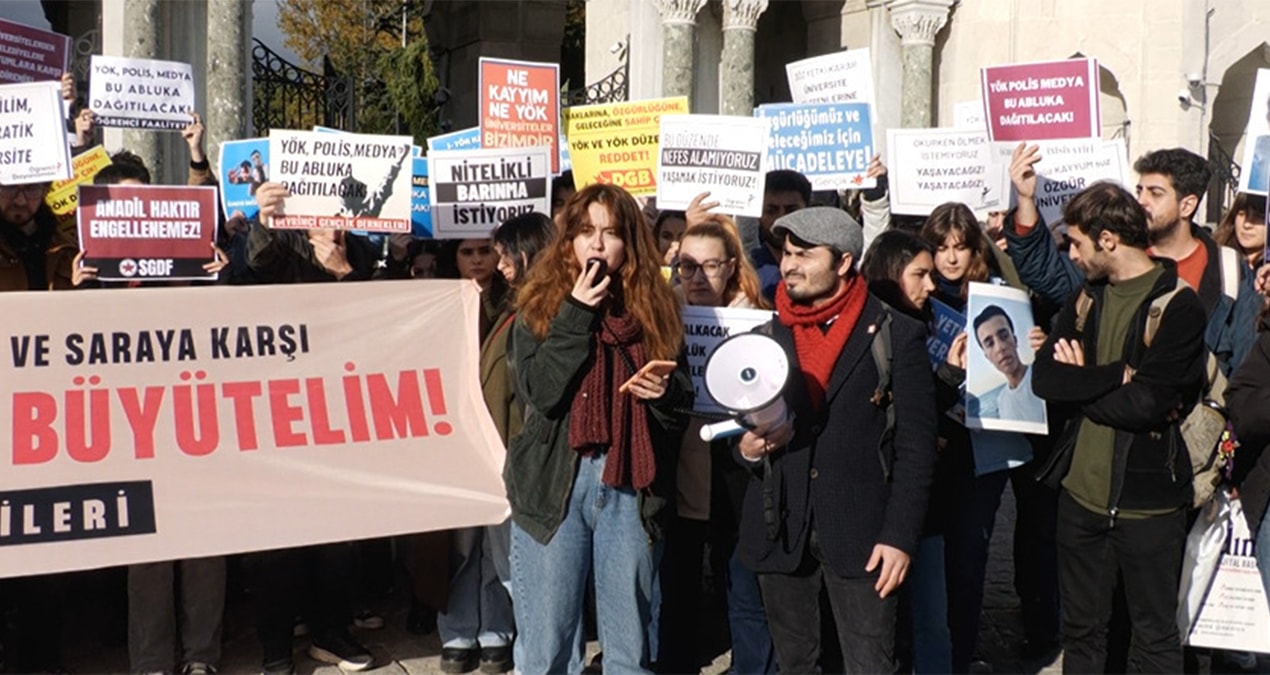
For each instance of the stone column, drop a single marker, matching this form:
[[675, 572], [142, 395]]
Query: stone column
[[678, 23], [141, 26], [228, 114], [917, 22], [740, 21]]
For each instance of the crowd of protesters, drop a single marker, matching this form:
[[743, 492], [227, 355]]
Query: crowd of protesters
[[852, 534]]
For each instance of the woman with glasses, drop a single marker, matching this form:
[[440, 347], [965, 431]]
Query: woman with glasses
[[712, 271]]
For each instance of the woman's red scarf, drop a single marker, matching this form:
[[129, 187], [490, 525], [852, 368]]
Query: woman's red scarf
[[601, 417], [818, 349]]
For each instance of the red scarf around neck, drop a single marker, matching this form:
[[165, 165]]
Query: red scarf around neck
[[601, 417], [817, 349]]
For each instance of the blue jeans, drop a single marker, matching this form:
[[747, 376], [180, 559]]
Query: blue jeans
[[479, 609], [1263, 551], [752, 652], [601, 533], [928, 592]]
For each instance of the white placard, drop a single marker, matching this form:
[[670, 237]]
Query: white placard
[[929, 167], [342, 181], [1235, 614], [1256, 165], [841, 77], [33, 146], [1069, 166], [475, 191], [969, 115], [704, 329], [141, 93], [720, 154], [999, 362]]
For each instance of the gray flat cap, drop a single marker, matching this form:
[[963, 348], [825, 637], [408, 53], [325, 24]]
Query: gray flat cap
[[823, 226]]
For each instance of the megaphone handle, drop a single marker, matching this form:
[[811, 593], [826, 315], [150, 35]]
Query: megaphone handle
[[724, 429]]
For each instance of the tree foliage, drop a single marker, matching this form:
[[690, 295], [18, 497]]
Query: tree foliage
[[362, 39]]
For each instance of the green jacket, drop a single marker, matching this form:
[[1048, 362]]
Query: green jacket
[[496, 383], [541, 466]]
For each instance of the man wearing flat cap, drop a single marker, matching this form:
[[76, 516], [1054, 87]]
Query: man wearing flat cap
[[838, 491]]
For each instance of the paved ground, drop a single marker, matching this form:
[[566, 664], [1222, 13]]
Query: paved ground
[[98, 650]]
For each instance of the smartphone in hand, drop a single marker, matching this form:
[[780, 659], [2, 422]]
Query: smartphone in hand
[[601, 272], [655, 367]]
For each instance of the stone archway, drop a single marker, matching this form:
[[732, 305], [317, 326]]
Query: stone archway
[[1227, 121]]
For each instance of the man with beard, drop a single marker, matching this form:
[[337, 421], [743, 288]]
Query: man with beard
[[1171, 184], [838, 492]]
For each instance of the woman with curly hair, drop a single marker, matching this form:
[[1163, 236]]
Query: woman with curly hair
[[590, 473]]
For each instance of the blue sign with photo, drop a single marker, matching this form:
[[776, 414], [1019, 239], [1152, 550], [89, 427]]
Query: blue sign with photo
[[244, 166]]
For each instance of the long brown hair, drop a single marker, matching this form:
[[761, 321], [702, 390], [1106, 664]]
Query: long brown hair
[[744, 280], [956, 219], [1251, 207], [646, 294]]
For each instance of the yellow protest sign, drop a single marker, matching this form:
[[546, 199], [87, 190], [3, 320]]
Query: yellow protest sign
[[63, 195], [617, 143]]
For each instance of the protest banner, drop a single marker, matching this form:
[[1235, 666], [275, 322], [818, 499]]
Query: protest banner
[[704, 329], [63, 195], [1042, 101], [1256, 156], [520, 106], [141, 93], [157, 430], [948, 325], [420, 200], [244, 167], [720, 154], [330, 177], [999, 362], [33, 145], [1069, 166], [463, 139], [829, 143], [841, 77], [616, 143], [474, 191], [29, 54], [968, 115], [929, 167], [1234, 614], [132, 232]]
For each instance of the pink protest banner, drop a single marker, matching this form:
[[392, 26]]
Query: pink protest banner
[[189, 422], [28, 54], [1042, 101], [520, 106]]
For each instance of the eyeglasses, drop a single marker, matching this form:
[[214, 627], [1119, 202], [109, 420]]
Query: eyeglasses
[[31, 191], [712, 268]]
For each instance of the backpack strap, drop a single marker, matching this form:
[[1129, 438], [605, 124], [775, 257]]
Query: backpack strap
[[1156, 312], [1229, 258], [883, 357], [1084, 302]]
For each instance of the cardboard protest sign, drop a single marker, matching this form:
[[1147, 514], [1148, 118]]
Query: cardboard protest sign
[[1042, 101], [1235, 614], [29, 54], [420, 200], [342, 181], [1067, 167], [929, 167], [723, 155], [474, 191], [463, 139], [948, 325], [616, 143], [244, 166], [132, 232], [63, 195], [841, 77], [704, 329], [156, 430], [829, 143], [1256, 157], [520, 106], [999, 362], [33, 145], [141, 93]]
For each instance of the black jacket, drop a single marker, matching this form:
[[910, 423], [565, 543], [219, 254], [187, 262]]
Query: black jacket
[[1248, 400], [832, 468], [1150, 465], [286, 256]]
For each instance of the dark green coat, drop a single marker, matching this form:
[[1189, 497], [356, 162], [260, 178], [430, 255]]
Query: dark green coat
[[540, 465]]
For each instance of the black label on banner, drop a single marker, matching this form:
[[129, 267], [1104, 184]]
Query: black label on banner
[[71, 512]]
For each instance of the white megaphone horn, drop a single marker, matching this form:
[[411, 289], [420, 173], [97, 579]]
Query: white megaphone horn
[[746, 375]]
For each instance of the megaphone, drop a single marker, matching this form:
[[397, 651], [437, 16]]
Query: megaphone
[[746, 375]]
